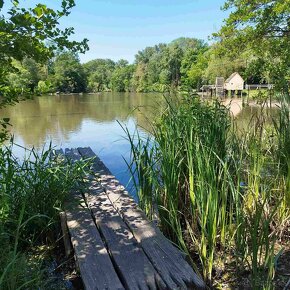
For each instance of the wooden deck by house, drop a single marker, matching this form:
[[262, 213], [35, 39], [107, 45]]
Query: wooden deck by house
[[115, 245]]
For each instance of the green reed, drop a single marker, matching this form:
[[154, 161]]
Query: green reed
[[216, 191], [256, 252], [141, 170], [32, 192], [190, 140], [282, 127]]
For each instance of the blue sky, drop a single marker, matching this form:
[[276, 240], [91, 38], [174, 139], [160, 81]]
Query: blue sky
[[120, 28]]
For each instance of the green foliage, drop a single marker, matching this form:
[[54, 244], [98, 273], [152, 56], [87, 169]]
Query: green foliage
[[26, 75], [44, 87], [186, 43], [99, 73], [263, 27], [157, 68], [24, 32], [222, 64], [122, 76], [193, 68], [217, 192], [24, 51], [68, 74], [166, 65], [31, 195]]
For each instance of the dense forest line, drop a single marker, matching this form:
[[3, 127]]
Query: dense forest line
[[185, 63]]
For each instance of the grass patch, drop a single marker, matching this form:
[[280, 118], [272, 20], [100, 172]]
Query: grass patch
[[32, 193]]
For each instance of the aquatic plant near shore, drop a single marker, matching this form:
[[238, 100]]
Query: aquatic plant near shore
[[31, 194], [208, 182], [282, 127]]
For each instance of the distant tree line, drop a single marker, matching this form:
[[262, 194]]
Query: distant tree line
[[184, 64]]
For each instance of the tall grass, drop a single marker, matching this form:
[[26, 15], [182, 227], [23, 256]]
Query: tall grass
[[31, 194], [217, 191], [282, 127]]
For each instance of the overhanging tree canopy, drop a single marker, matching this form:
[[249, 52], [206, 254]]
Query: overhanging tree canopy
[[264, 27], [30, 33], [34, 33]]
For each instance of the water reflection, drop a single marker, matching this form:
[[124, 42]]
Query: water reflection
[[249, 115], [90, 120], [57, 117], [83, 120]]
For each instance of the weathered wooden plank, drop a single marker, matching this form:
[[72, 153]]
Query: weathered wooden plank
[[131, 263], [65, 234], [167, 259], [96, 268], [134, 268], [72, 154]]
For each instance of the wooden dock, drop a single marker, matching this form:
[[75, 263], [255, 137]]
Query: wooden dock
[[115, 245]]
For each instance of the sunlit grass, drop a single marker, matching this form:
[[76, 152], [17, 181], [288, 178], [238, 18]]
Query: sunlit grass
[[216, 191], [32, 192]]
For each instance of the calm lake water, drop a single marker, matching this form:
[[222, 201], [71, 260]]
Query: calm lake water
[[83, 120], [87, 120]]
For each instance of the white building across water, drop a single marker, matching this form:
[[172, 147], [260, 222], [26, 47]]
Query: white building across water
[[234, 84]]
